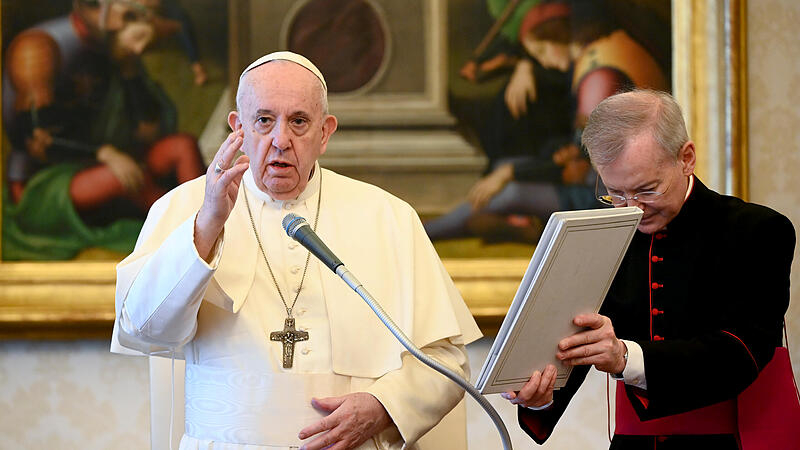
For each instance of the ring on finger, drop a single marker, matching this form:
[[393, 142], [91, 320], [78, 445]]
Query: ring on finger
[[218, 168]]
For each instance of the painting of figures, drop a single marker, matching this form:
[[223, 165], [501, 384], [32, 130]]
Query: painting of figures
[[103, 104]]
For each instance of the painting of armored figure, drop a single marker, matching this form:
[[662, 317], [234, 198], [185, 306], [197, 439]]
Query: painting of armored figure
[[103, 104]]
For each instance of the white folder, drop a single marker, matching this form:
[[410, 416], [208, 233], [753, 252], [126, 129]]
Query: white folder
[[569, 274]]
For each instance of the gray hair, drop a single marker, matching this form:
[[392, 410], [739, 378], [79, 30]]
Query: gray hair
[[322, 88], [621, 117]]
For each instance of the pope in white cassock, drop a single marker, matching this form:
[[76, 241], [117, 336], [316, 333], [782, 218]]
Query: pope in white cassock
[[280, 353]]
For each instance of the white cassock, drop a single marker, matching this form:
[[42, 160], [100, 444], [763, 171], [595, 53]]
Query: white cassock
[[219, 316]]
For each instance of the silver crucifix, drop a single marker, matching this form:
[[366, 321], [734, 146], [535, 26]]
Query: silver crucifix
[[288, 336]]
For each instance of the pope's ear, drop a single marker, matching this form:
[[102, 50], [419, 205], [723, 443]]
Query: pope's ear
[[329, 126], [233, 120]]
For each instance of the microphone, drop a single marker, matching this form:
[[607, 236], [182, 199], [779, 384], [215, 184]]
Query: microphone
[[298, 229]]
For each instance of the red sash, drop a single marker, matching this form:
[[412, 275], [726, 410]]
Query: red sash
[[719, 418], [765, 416], [769, 410]]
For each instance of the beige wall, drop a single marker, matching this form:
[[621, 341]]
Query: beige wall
[[69, 395], [774, 106], [66, 395]]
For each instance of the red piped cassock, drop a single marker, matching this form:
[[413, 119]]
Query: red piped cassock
[[705, 299]]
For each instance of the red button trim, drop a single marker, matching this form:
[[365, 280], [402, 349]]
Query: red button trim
[[656, 259], [656, 312], [656, 286], [658, 338], [660, 236]]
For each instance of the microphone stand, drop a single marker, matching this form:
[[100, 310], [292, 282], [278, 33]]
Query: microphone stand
[[298, 229], [356, 285]]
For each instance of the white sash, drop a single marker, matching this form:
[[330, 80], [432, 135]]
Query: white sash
[[254, 408]]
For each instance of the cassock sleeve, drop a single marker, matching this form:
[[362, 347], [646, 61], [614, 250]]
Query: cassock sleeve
[[726, 360], [539, 424], [418, 397]]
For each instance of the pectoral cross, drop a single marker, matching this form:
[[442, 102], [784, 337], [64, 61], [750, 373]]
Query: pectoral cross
[[288, 336]]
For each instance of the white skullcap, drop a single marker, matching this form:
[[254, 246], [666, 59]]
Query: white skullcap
[[287, 56]]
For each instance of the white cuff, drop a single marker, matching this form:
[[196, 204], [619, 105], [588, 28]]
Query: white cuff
[[540, 408], [634, 369]]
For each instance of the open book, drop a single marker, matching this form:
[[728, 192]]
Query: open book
[[569, 274]]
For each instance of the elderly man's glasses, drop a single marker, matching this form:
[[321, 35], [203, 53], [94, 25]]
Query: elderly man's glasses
[[602, 194]]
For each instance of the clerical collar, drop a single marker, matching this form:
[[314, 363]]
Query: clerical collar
[[689, 190], [311, 189]]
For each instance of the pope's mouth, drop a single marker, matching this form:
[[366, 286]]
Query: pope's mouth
[[279, 164]]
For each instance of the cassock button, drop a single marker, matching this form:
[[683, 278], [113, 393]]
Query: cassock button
[[288, 205], [658, 338], [305, 351], [292, 245], [656, 259], [656, 286], [295, 269], [660, 236], [656, 312], [301, 311]]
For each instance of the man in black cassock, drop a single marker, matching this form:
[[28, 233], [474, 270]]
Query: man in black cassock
[[696, 308]]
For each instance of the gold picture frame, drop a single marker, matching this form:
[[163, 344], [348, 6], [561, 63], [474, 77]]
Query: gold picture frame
[[69, 300]]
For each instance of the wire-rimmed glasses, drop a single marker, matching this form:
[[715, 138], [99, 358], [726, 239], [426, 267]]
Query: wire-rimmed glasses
[[602, 194]]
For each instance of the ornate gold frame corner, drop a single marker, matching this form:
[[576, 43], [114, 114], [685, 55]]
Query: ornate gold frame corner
[[56, 300]]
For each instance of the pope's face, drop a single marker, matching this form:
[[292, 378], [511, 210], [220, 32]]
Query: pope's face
[[644, 166], [285, 128]]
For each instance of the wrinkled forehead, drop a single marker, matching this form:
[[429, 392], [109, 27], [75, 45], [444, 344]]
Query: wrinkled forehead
[[641, 162], [279, 85]]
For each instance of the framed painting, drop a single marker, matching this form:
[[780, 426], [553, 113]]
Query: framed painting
[[106, 106], [410, 82]]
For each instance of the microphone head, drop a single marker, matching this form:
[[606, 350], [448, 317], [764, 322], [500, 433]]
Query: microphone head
[[291, 223]]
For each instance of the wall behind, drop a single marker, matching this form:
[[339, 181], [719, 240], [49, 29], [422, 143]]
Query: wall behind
[[67, 395], [773, 53]]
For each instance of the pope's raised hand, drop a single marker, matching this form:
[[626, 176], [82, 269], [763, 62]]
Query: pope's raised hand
[[222, 189]]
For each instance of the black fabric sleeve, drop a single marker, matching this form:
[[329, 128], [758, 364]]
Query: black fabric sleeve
[[539, 425]]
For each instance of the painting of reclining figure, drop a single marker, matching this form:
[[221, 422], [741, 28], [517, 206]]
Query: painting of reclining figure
[[523, 94]]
